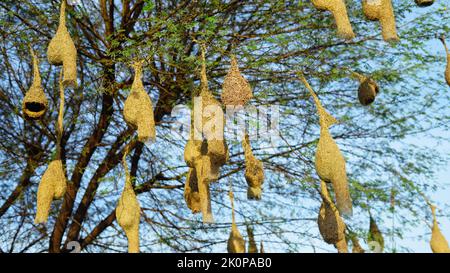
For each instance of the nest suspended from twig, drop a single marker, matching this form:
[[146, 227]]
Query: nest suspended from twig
[[438, 242], [52, 186], [339, 11], [382, 11], [128, 211], [236, 89], [447, 69], [236, 243], [35, 103], [330, 223], [138, 109], [375, 234], [254, 171], [62, 51], [367, 91], [252, 248], [424, 3], [329, 162]]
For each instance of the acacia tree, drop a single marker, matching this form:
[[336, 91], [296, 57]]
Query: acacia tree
[[272, 40]]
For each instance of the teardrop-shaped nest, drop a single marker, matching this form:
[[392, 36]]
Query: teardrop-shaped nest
[[331, 226], [236, 243], [62, 50], [254, 171], [341, 246], [375, 234], [35, 103], [138, 108], [191, 193], [383, 11], [235, 89], [367, 91], [128, 215], [424, 3], [52, 186], [339, 11], [438, 242]]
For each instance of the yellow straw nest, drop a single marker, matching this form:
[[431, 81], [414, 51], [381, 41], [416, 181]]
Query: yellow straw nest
[[339, 11], [438, 242], [330, 223], [329, 162], [235, 90], [52, 186], [375, 235], [35, 103], [341, 246], [424, 3], [191, 193], [138, 109], [62, 51], [254, 171], [447, 70], [252, 248], [261, 247], [236, 243], [382, 11]]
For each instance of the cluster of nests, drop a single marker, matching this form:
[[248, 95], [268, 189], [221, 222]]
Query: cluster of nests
[[374, 10], [206, 150], [61, 51]]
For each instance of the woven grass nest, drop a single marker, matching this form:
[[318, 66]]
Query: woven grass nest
[[375, 234], [236, 243], [424, 3], [138, 109], [331, 225], [438, 243], [254, 171], [382, 11], [35, 103], [62, 51], [356, 246], [52, 186], [128, 214], [191, 193], [236, 89], [447, 69], [339, 11], [367, 91], [329, 162]]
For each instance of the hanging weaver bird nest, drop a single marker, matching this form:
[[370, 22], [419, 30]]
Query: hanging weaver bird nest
[[191, 193], [252, 248], [254, 171], [356, 248], [383, 11], [367, 91], [138, 109], [447, 70], [53, 183], [330, 223], [438, 242], [375, 235], [261, 248], [128, 211], [203, 168], [62, 51], [341, 246], [236, 243], [424, 3], [339, 11], [35, 103], [52, 186], [330, 163], [236, 89]]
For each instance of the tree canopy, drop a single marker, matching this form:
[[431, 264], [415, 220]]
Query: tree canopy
[[272, 41]]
